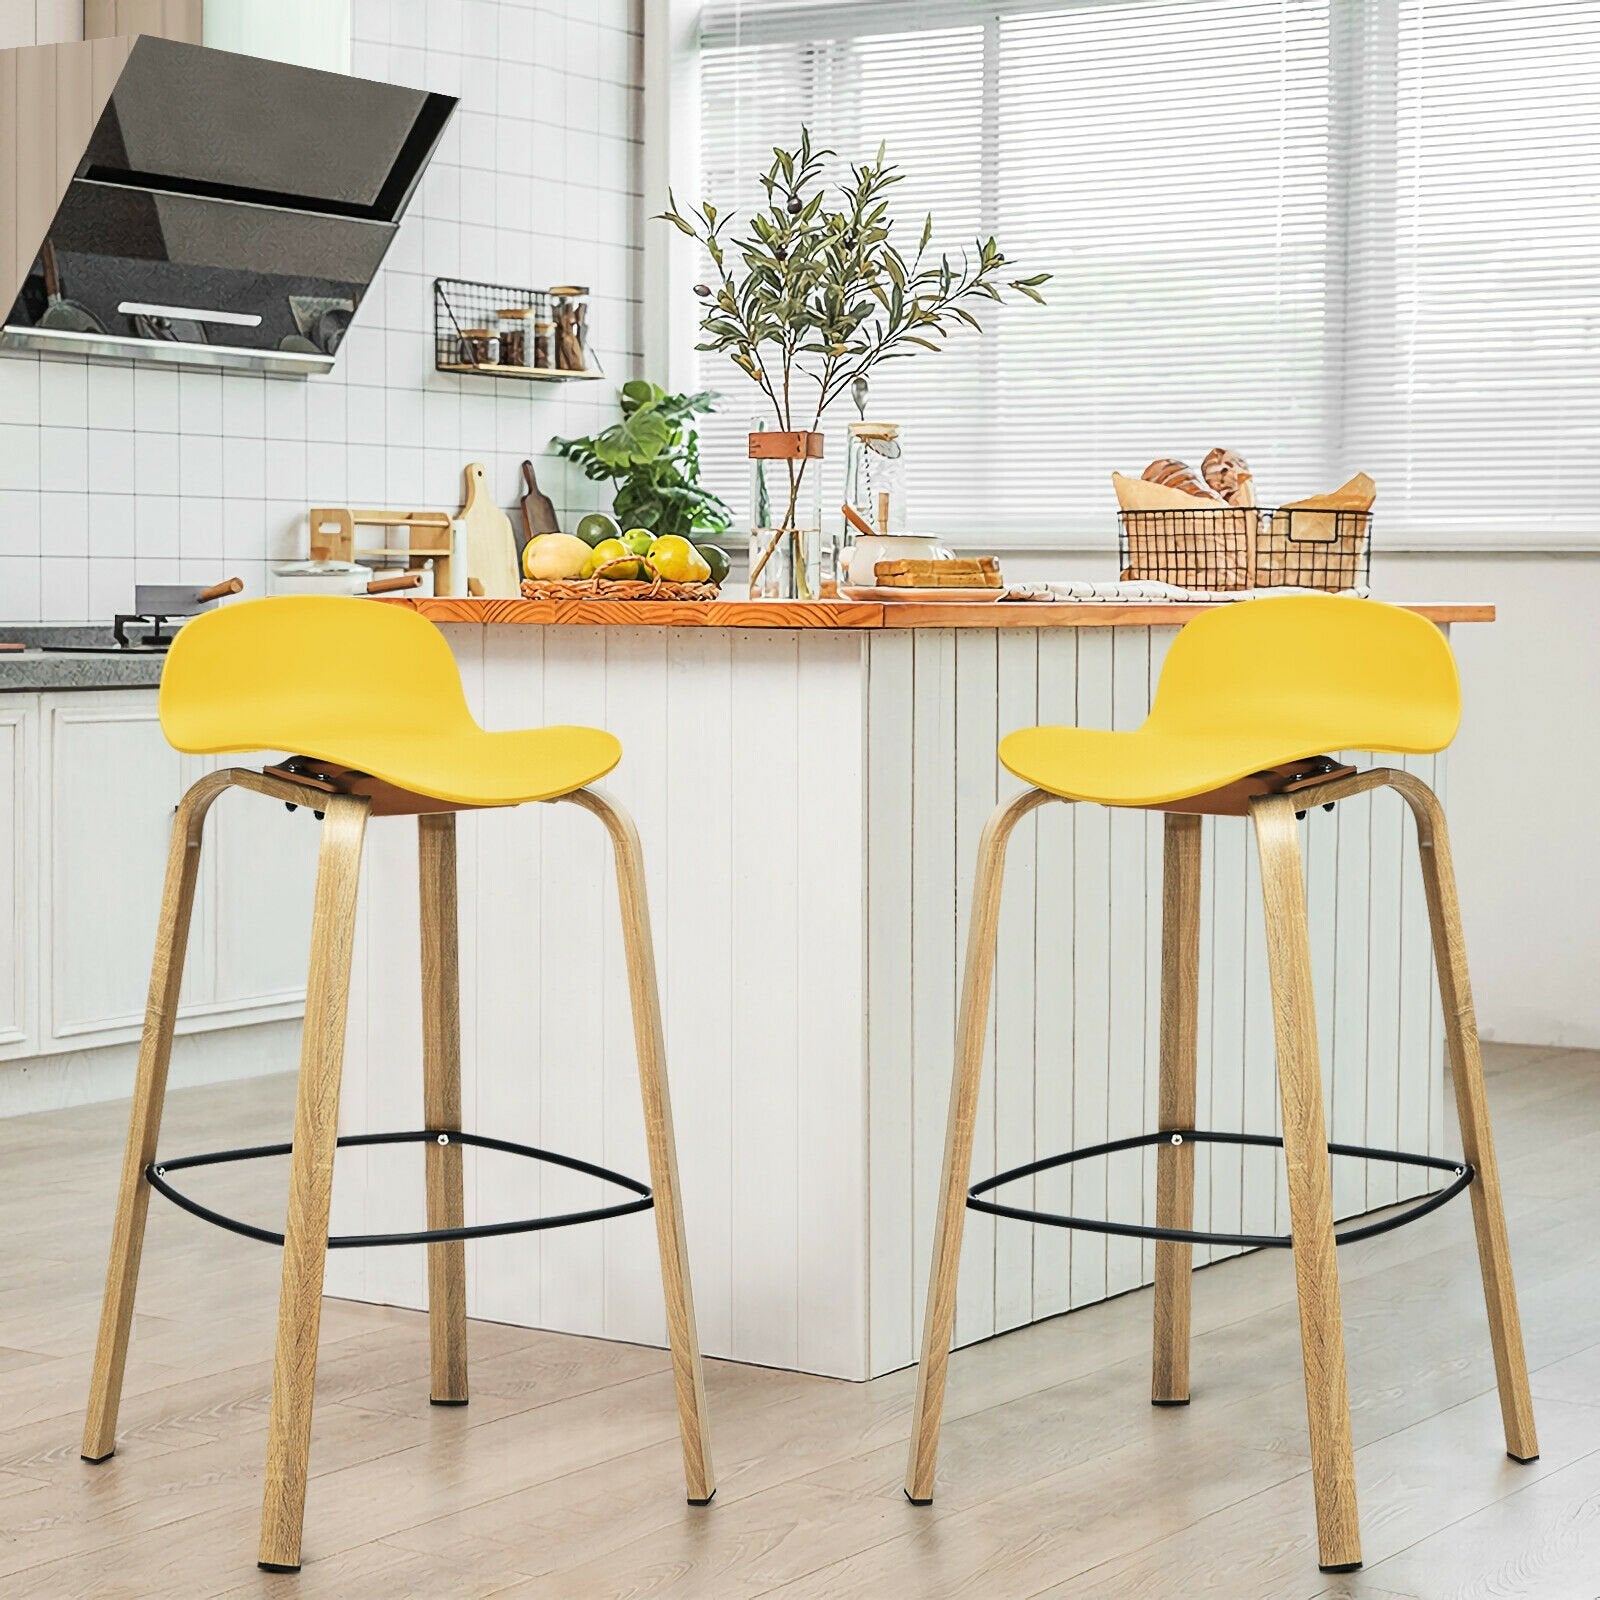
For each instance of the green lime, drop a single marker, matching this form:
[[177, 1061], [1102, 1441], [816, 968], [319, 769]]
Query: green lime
[[717, 559], [598, 525], [638, 541]]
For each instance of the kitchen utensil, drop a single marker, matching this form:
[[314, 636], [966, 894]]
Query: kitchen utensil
[[396, 581], [155, 603], [66, 316], [428, 539], [858, 393], [538, 513], [491, 545], [856, 520]]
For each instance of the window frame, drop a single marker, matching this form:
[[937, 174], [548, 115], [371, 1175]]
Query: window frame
[[673, 31]]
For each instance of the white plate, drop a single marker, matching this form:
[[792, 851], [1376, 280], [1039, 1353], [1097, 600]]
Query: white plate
[[965, 596]]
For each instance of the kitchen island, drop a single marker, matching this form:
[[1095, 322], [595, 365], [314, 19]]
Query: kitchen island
[[810, 781]]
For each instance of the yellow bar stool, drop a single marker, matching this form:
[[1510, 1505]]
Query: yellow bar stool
[[369, 697], [1250, 697]]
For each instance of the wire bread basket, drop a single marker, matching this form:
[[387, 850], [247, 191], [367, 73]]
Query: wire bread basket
[[1219, 547]]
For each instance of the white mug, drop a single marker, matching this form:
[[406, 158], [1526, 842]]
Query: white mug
[[868, 549]]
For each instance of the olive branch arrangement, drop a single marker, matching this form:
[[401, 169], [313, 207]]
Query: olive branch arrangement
[[815, 298]]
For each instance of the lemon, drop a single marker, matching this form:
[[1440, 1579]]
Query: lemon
[[638, 541], [597, 526], [678, 561], [612, 561]]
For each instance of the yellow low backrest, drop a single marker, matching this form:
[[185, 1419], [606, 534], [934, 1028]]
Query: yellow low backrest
[[306, 672], [1325, 670]]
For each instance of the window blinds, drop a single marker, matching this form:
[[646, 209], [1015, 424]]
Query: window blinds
[[1336, 235]]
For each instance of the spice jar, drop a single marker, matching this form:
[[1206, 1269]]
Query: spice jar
[[543, 341], [514, 336], [572, 327], [480, 347]]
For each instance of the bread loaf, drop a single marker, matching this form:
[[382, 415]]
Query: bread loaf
[[1228, 473], [1179, 475]]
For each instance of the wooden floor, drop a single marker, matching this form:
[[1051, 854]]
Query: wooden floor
[[563, 1478]]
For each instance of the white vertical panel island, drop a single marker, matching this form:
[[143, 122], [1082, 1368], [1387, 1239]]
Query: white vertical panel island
[[810, 782]]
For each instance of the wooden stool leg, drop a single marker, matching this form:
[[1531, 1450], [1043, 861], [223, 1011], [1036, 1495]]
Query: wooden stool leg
[[1305, 1148], [971, 1030], [1180, 1007], [144, 1125], [441, 1082], [650, 1047], [1472, 1111], [316, 1127]]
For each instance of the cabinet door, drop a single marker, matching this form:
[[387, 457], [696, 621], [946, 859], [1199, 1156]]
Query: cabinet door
[[113, 782], [19, 901], [263, 865]]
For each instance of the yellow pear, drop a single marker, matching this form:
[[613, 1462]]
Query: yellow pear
[[553, 556]]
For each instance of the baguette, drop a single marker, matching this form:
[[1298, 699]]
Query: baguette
[[1179, 475], [1228, 473]]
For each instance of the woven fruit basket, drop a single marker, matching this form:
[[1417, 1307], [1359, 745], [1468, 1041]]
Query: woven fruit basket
[[616, 589]]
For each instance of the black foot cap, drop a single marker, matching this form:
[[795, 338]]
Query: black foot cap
[[278, 1566], [433, 1402], [1343, 1566], [1521, 1460], [913, 1499], [707, 1501], [94, 1461], [1182, 1402]]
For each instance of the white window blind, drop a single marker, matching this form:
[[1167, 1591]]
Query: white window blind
[[1335, 235]]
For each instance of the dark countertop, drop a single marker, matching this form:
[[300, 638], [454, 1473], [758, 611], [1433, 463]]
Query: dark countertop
[[35, 669]]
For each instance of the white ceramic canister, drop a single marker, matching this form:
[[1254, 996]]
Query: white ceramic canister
[[870, 548]]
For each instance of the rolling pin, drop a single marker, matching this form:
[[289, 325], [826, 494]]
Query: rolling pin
[[400, 580]]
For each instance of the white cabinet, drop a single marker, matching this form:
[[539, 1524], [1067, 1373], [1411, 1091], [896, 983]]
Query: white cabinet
[[88, 786], [112, 784], [18, 888]]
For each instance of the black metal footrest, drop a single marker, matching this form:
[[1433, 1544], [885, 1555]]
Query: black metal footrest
[[157, 1171], [1461, 1172]]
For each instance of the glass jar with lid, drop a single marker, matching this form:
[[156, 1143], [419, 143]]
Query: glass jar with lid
[[514, 336]]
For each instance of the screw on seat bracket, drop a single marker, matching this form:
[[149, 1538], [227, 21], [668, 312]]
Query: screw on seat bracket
[[1233, 799], [388, 799]]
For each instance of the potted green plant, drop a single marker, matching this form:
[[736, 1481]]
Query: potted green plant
[[653, 456], [810, 297]]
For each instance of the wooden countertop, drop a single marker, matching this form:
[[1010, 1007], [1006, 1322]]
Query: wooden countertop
[[845, 613]]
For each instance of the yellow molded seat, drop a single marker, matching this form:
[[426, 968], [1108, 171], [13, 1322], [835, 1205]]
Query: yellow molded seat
[[365, 685], [1252, 685]]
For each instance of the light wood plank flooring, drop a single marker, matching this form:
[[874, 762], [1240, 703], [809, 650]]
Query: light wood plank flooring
[[563, 1478]]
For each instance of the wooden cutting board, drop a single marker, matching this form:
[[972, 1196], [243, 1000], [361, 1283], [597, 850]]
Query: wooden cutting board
[[491, 546], [538, 514]]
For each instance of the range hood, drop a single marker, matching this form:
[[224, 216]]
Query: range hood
[[226, 211]]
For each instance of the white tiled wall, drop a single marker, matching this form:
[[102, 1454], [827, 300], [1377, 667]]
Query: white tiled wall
[[117, 473]]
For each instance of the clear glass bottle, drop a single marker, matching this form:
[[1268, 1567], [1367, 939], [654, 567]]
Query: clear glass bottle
[[875, 477], [785, 514]]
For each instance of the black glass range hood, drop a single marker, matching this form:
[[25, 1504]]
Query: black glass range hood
[[227, 211]]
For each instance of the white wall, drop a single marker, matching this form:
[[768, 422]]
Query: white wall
[[1523, 774], [116, 473]]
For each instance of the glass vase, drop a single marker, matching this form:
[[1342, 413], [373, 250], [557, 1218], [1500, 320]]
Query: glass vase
[[785, 514]]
